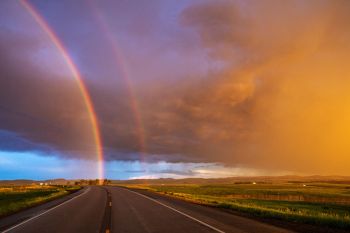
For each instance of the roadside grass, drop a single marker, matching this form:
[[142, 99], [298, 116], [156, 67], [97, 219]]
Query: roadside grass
[[310, 190], [317, 203], [16, 198]]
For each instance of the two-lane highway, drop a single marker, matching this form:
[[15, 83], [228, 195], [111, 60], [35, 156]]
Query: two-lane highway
[[117, 209]]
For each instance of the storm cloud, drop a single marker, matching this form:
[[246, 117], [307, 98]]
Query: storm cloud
[[256, 84]]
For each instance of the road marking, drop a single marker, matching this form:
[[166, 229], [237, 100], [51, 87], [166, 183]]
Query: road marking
[[106, 221], [178, 211], [36, 216]]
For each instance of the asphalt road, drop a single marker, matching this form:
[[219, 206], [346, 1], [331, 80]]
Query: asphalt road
[[115, 209], [82, 213]]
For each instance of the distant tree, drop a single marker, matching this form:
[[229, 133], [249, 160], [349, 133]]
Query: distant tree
[[106, 182]]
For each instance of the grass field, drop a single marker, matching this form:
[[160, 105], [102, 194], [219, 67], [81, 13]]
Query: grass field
[[15, 198], [324, 204]]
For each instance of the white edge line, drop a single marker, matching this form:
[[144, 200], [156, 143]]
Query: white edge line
[[178, 211], [36, 216]]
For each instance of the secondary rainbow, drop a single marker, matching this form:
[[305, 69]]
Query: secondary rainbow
[[119, 60], [79, 80]]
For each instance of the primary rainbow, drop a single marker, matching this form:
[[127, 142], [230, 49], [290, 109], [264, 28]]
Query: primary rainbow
[[79, 80]]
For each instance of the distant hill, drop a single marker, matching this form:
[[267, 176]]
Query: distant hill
[[16, 182], [32, 182]]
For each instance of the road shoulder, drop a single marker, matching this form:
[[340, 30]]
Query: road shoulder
[[16, 218]]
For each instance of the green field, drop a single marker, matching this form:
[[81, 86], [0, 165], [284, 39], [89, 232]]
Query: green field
[[324, 204], [15, 198]]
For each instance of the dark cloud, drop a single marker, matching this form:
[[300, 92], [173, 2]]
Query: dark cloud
[[37, 104], [9, 141]]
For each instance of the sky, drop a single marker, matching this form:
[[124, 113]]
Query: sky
[[174, 88]]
